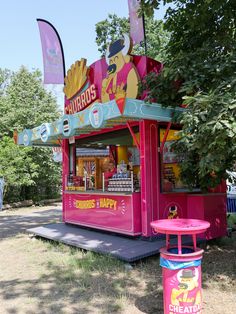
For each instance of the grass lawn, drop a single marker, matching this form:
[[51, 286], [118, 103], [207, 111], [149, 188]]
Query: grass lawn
[[39, 276]]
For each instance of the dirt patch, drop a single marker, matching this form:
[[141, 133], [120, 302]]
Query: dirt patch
[[39, 276]]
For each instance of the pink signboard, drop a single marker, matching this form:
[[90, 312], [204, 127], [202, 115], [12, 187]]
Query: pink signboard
[[97, 72], [119, 213]]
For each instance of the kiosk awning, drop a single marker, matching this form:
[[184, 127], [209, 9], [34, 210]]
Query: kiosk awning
[[97, 117]]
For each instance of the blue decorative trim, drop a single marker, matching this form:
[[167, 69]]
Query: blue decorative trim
[[173, 265], [85, 121]]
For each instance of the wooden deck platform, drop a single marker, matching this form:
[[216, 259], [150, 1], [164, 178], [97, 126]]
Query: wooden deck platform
[[121, 247]]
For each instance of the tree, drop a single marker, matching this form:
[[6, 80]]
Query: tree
[[114, 27], [24, 103], [16, 167], [200, 71]]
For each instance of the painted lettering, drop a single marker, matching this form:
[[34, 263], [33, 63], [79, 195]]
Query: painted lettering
[[93, 92], [108, 203], [82, 100], [185, 309], [88, 96], [85, 204]]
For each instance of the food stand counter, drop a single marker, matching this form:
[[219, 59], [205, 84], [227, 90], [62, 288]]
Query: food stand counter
[[117, 212]]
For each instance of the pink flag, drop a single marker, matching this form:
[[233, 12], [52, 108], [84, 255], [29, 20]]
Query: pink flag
[[136, 23], [53, 56]]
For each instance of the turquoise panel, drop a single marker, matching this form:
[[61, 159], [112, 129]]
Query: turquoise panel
[[94, 118]]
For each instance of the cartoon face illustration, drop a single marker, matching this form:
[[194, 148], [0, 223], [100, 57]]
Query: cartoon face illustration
[[122, 77], [117, 53], [187, 280], [187, 292], [173, 212]]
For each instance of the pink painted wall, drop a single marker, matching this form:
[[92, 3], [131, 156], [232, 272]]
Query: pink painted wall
[[167, 200], [65, 172], [209, 207], [117, 213]]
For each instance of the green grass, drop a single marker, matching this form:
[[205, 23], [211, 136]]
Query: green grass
[[85, 260]]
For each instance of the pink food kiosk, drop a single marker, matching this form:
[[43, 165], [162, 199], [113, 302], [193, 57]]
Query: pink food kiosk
[[120, 172]]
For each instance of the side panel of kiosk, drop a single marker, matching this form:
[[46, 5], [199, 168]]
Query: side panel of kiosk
[[176, 201], [173, 205], [212, 208]]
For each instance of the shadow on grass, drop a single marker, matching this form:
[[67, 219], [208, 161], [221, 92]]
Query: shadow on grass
[[151, 303], [11, 225], [219, 263], [91, 284], [85, 282], [88, 282]]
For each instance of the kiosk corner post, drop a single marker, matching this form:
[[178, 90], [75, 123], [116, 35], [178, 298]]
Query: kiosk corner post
[[65, 171], [149, 170]]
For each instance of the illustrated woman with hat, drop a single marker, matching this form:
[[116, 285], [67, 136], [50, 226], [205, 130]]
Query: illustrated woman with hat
[[122, 77]]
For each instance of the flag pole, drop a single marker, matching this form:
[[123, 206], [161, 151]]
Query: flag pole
[[144, 34]]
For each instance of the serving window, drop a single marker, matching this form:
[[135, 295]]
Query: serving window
[[106, 162], [170, 164]]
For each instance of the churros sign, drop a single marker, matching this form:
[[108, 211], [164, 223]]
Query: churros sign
[[107, 203], [79, 92]]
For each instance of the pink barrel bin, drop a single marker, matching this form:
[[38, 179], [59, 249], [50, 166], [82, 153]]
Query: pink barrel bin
[[181, 265]]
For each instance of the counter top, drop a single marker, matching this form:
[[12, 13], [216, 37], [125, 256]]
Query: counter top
[[101, 193]]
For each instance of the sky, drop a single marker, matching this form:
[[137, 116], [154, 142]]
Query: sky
[[74, 20]]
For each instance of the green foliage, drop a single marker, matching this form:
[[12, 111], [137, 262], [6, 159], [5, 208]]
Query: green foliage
[[114, 27], [208, 135], [16, 167], [24, 103], [200, 72], [148, 6], [48, 181], [109, 30]]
